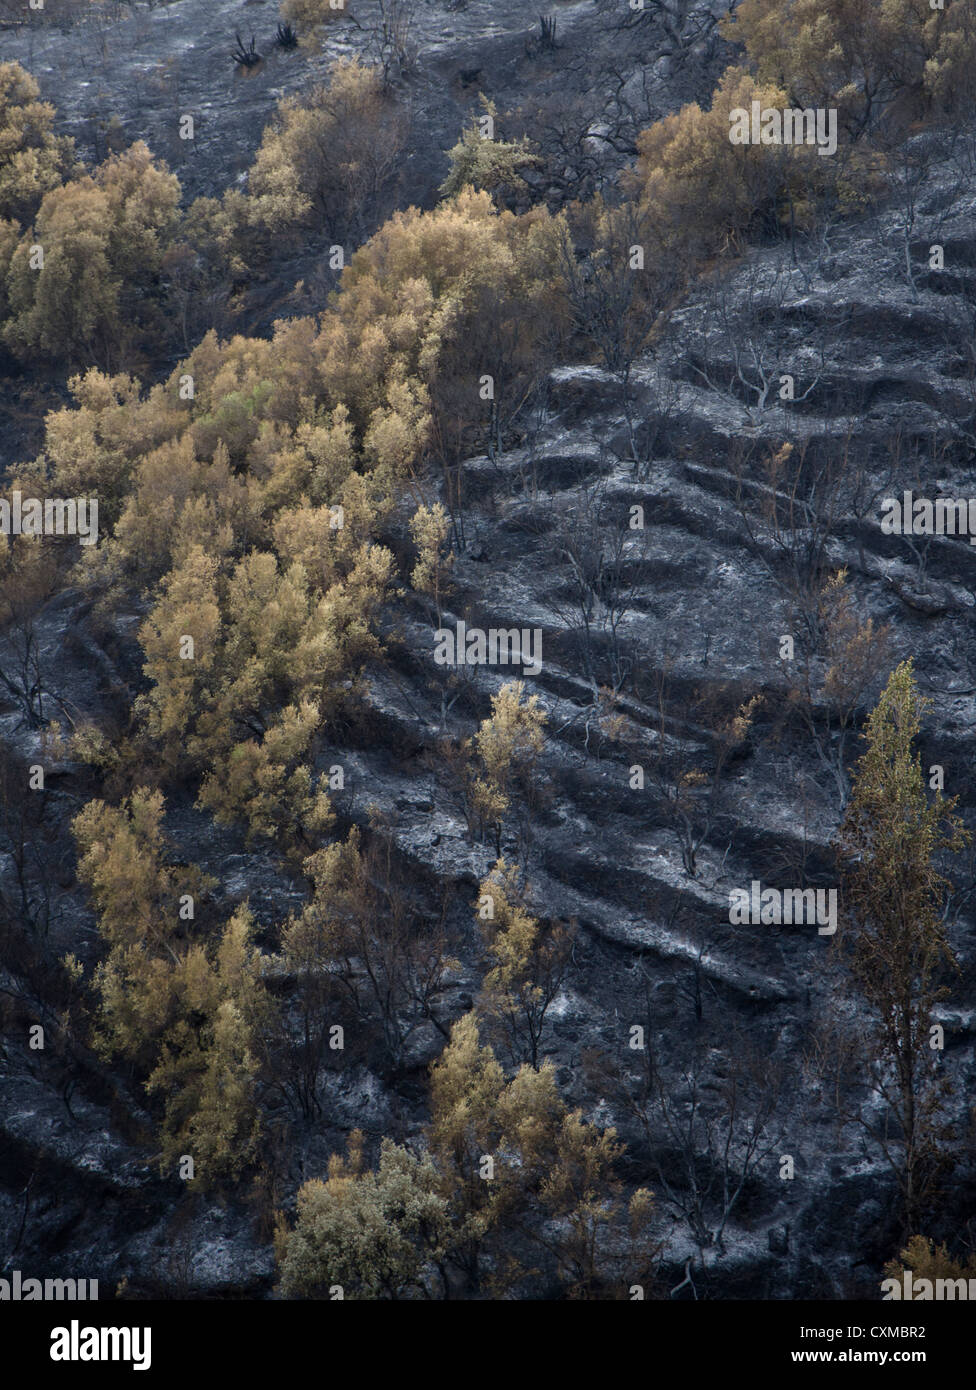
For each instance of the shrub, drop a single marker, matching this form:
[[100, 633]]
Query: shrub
[[374, 1234], [331, 157], [494, 165]]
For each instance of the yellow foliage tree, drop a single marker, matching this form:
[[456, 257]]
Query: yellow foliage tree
[[874, 60], [96, 445], [180, 640], [700, 187], [445, 297], [527, 965], [547, 1164], [360, 932], [33, 160], [187, 1018], [928, 1260], [430, 528], [207, 1064], [330, 155], [138, 898], [245, 672], [508, 745], [95, 293]]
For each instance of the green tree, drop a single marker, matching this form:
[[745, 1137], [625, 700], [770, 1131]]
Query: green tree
[[893, 934], [479, 160], [374, 1234]]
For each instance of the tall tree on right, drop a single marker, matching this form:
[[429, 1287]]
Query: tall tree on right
[[893, 936]]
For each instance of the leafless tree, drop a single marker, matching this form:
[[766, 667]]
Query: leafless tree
[[377, 947], [28, 578], [790, 506], [925, 191], [695, 736], [753, 347], [606, 567], [25, 841], [711, 1127], [709, 1122], [685, 22]]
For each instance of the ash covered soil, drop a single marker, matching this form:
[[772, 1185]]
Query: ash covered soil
[[705, 614]]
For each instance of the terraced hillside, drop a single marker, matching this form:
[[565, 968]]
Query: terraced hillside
[[673, 535]]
